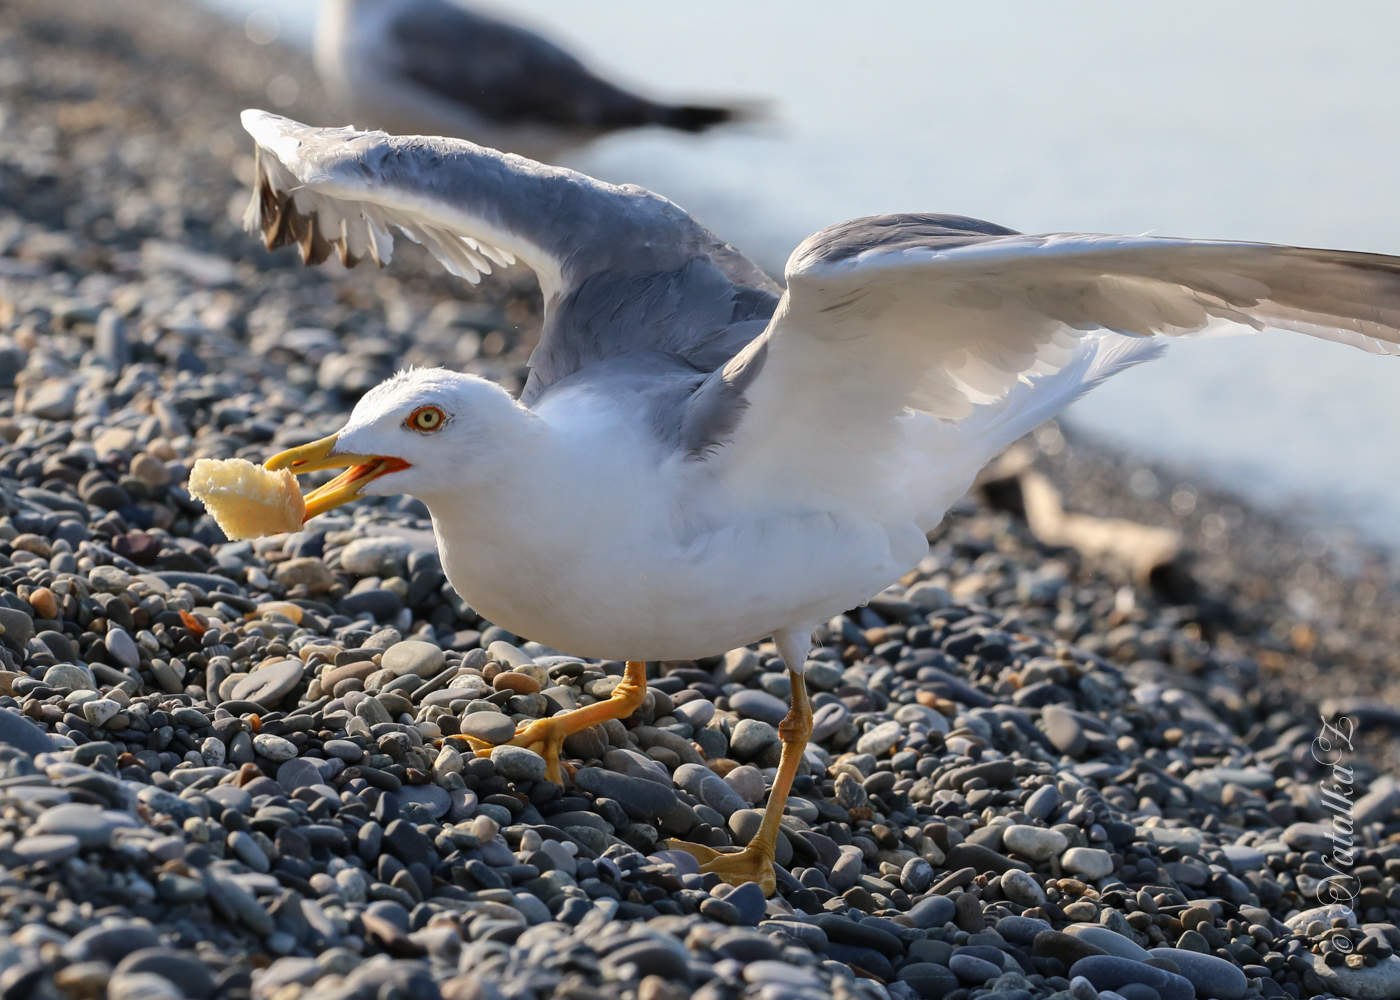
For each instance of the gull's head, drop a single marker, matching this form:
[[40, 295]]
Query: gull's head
[[421, 432]]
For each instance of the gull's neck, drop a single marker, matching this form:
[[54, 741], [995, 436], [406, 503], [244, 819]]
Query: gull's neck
[[542, 515]]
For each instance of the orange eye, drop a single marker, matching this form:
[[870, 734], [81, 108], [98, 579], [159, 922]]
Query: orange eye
[[426, 420]]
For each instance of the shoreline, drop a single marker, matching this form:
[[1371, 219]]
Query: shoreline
[[226, 777]]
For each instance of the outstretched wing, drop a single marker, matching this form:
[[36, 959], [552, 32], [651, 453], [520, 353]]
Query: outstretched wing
[[945, 316], [594, 247]]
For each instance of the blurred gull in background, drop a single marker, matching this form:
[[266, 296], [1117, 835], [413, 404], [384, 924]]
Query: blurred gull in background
[[676, 437], [437, 68]]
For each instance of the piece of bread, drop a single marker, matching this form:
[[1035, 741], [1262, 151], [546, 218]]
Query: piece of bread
[[247, 500]]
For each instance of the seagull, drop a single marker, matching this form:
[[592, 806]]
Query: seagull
[[435, 66], [701, 459]]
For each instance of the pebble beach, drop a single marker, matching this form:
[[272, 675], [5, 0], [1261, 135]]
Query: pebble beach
[[222, 764]]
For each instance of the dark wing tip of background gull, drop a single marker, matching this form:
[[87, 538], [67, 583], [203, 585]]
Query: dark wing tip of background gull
[[512, 75], [698, 117]]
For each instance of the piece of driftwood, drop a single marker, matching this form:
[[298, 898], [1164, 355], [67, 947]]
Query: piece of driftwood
[[1155, 557]]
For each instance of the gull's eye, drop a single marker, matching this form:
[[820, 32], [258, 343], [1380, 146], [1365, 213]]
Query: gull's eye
[[426, 420]]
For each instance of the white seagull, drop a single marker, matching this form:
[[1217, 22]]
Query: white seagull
[[437, 67], [701, 458]]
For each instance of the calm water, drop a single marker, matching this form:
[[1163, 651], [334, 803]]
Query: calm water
[[1265, 121]]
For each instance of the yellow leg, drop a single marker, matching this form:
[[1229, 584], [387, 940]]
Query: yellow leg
[[754, 863], [546, 736]]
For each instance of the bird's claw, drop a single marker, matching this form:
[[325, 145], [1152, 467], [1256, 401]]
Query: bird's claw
[[542, 736], [753, 863]]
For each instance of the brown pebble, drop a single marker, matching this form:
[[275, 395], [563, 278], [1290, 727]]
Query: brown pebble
[[1194, 916], [941, 705], [509, 680], [32, 543], [84, 980], [657, 988], [150, 470], [326, 652], [284, 609], [331, 677], [44, 602], [1074, 887]]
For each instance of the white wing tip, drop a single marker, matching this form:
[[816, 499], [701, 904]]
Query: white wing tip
[[263, 125]]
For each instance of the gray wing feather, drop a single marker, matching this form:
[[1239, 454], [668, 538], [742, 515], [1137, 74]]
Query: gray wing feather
[[945, 314], [1140, 285], [623, 270], [700, 309], [713, 412], [893, 233]]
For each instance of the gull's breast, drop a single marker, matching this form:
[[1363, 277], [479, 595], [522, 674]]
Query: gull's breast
[[617, 590]]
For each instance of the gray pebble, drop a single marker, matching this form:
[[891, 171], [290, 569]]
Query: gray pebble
[[1036, 843], [382, 556], [413, 656], [1043, 802], [298, 772], [640, 797], [1108, 972], [518, 764], [1022, 888], [697, 713], [191, 974], [270, 683], [747, 782], [828, 719], [972, 970], [492, 727], [754, 704], [751, 737], [709, 788], [18, 628], [1090, 862], [142, 986], [1109, 941], [1212, 976], [69, 677], [880, 739], [122, 647], [1065, 731], [51, 847], [92, 825], [274, 748], [100, 711], [434, 799], [1308, 836], [247, 850], [20, 733]]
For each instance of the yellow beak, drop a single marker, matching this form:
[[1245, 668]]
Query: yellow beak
[[360, 470]]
